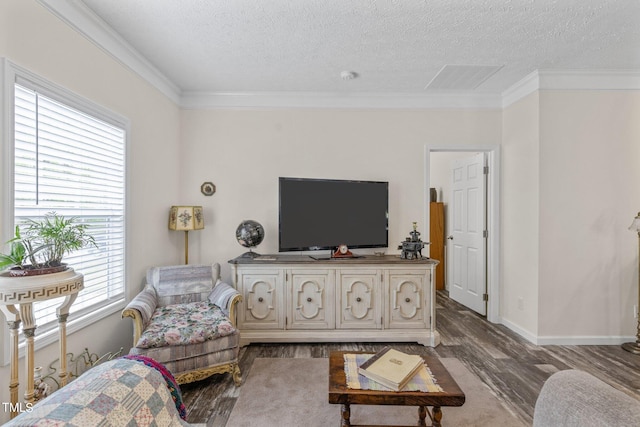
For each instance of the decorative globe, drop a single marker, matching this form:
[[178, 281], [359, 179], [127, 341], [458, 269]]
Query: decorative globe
[[250, 234]]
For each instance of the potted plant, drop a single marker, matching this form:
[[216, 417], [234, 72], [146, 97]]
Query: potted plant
[[39, 246]]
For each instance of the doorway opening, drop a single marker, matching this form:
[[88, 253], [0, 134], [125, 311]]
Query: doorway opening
[[441, 163]]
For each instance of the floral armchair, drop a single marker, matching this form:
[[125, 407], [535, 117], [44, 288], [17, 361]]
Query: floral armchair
[[185, 318]]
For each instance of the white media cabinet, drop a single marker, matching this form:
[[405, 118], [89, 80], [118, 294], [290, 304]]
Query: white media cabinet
[[288, 298]]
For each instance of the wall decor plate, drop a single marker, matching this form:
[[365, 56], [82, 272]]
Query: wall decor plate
[[208, 188]]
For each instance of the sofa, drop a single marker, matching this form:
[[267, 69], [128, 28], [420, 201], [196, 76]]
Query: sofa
[[574, 398], [127, 391], [185, 318]]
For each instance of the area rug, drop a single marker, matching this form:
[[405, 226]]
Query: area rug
[[294, 392]]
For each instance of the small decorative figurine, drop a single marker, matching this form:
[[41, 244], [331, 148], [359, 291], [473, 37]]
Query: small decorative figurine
[[412, 246], [40, 388]]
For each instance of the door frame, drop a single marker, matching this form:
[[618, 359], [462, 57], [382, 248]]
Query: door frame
[[493, 215]]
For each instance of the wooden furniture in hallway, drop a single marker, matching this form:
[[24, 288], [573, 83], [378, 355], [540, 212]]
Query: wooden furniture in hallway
[[436, 237]]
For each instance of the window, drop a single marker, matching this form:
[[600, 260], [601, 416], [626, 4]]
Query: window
[[69, 157]]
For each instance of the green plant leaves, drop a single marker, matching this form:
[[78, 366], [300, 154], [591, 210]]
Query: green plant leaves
[[43, 243]]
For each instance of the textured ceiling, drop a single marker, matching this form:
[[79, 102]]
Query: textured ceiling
[[394, 46]]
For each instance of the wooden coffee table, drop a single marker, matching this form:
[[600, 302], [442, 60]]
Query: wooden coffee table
[[340, 394]]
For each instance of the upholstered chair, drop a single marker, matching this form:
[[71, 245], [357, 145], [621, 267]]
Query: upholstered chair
[[185, 318]]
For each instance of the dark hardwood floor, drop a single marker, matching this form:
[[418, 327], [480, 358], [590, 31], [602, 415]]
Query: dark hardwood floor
[[512, 367]]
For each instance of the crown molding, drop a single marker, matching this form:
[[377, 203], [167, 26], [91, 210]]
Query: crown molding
[[589, 79], [79, 17], [82, 19], [535, 81], [521, 89], [571, 80], [200, 100]]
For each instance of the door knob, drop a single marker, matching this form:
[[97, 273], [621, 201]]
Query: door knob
[[449, 237]]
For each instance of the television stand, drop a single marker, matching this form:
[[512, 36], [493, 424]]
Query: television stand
[[292, 298]]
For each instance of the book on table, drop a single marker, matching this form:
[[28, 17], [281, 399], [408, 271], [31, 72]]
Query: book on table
[[391, 368]]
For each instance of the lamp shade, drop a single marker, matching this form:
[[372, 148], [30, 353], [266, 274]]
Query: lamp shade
[[186, 218], [635, 225]]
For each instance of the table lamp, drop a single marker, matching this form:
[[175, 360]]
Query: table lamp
[[634, 347], [186, 218]]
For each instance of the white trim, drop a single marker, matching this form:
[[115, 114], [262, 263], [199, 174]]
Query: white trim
[[584, 340], [532, 338], [82, 19], [566, 340], [6, 144], [493, 217], [589, 79], [22, 76], [494, 278], [521, 89], [571, 80], [457, 100], [7, 76]]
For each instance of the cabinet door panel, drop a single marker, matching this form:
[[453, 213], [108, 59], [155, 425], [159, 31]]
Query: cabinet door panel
[[359, 299], [262, 308], [310, 292], [408, 300]]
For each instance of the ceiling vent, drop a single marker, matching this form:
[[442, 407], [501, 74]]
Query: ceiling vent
[[462, 77]]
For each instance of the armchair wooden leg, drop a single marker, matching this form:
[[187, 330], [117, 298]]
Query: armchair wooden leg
[[237, 375]]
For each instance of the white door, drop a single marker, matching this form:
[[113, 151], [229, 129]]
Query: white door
[[467, 280]]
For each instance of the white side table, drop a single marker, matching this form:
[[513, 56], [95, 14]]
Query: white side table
[[17, 295]]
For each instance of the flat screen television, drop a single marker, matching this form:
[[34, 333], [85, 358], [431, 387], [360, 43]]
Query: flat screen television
[[317, 214]]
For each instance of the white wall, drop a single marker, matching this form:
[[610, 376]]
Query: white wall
[[520, 212], [245, 151], [571, 164], [34, 39], [589, 175]]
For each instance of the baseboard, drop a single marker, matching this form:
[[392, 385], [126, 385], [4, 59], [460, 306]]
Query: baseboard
[[567, 340], [520, 331], [584, 340]]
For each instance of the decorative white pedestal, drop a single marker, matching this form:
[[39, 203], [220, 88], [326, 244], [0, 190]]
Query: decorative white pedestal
[[17, 295]]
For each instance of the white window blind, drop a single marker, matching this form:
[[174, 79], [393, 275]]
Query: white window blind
[[73, 163]]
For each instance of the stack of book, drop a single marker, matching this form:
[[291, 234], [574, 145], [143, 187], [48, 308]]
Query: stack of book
[[391, 368]]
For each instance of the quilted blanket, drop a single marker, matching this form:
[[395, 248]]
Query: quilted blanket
[[172, 385], [120, 392]]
